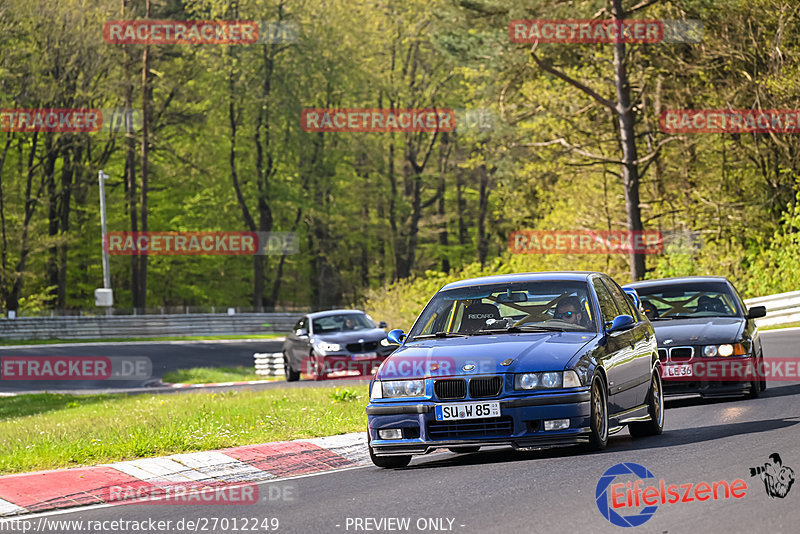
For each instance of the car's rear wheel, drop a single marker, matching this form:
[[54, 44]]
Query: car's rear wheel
[[388, 462], [598, 439], [463, 450], [290, 374], [655, 407]]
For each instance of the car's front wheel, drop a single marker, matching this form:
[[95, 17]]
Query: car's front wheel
[[655, 407], [388, 462], [290, 374], [598, 439], [757, 386]]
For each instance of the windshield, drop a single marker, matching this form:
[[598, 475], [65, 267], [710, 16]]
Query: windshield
[[515, 307], [678, 301], [344, 322]]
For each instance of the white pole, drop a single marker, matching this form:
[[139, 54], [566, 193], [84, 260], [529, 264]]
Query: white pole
[[106, 275]]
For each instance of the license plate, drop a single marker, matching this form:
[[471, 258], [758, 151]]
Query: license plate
[[678, 370], [467, 410], [365, 356]]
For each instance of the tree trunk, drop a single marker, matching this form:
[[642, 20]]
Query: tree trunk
[[483, 208], [146, 98], [130, 166], [630, 169]]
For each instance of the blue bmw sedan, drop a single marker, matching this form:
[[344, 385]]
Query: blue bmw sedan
[[526, 360]]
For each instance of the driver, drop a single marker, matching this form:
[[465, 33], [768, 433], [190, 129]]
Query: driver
[[349, 324], [568, 310]]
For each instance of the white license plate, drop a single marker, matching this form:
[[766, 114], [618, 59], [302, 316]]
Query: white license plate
[[678, 370], [467, 410], [365, 356]]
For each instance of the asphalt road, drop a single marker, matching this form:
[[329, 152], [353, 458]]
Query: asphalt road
[[165, 356], [539, 491]]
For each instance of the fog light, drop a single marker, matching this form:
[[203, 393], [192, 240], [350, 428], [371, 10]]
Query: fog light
[[391, 433], [556, 424]]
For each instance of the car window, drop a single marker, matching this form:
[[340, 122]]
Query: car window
[[623, 301], [469, 310], [607, 306], [342, 323], [689, 299]]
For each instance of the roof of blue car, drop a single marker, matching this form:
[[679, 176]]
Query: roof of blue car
[[676, 280], [571, 276]]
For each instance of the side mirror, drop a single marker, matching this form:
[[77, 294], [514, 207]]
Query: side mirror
[[382, 324], [396, 336], [756, 311], [620, 323], [301, 332]]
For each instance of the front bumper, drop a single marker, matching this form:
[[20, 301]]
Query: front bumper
[[347, 365], [520, 425], [712, 377]]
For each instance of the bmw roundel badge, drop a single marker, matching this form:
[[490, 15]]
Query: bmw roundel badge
[[468, 367]]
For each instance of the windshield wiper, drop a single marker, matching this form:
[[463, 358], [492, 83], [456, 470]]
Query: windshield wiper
[[440, 334], [520, 329]]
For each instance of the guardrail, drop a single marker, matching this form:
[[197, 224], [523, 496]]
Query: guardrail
[[145, 326], [781, 308], [269, 363]]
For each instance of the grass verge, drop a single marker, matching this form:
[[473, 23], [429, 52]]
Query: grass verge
[[52, 431], [210, 375], [779, 326], [124, 339]]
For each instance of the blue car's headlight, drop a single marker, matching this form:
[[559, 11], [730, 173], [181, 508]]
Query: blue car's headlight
[[398, 388], [547, 380]]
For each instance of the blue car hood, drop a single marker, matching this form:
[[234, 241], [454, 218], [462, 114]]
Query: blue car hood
[[698, 331], [550, 351]]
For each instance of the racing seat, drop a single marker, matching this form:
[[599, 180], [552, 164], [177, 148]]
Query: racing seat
[[476, 315]]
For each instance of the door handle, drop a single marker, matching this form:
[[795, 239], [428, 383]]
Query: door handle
[[633, 344], [647, 336]]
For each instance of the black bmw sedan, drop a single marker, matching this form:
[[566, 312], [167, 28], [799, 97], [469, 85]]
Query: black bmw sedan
[[335, 344], [708, 341]]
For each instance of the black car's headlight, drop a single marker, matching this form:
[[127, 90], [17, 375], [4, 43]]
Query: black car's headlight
[[726, 349], [547, 380], [324, 346], [397, 388]]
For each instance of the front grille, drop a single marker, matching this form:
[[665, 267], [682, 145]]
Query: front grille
[[471, 428], [452, 388], [681, 354], [367, 346], [485, 386], [662, 354]]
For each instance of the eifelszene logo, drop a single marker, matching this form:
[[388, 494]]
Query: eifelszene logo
[[616, 498], [778, 478]]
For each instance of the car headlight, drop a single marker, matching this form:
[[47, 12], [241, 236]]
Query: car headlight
[[403, 388], [726, 349], [377, 391], [547, 380], [328, 347]]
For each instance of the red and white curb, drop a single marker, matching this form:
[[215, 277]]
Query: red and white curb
[[48, 490]]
